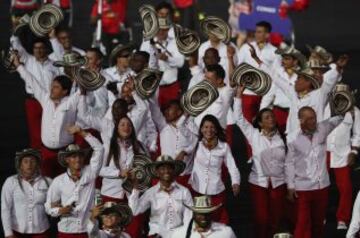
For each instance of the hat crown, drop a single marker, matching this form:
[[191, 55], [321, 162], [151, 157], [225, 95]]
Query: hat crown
[[164, 22], [72, 147], [70, 57], [202, 202], [164, 158], [341, 87]]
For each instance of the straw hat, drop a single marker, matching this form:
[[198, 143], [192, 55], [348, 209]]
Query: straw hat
[[309, 75], [45, 19], [187, 41], [70, 150], [203, 205], [71, 59], [118, 50], [25, 153], [283, 235], [87, 78], [325, 56], [342, 99], [149, 20], [216, 26], [121, 209], [146, 82], [291, 51], [179, 166]]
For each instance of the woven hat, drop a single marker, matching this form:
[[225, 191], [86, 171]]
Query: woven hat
[[118, 50], [216, 26], [254, 79], [164, 22], [179, 166], [71, 59], [283, 235], [342, 99], [146, 82], [314, 63], [139, 169], [70, 150], [203, 205], [187, 41], [324, 56], [87, 78], [291, 51], [309, 75], [24, 153], [45, 19], [149, 20], [199, 97], [5, 57], [121, 209], [24, 21]]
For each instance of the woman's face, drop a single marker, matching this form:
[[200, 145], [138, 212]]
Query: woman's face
[[124, 128], [208, 130], [268, 121], [28, 166]]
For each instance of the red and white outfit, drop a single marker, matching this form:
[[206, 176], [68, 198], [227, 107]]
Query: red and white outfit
[[354, 228], [175, 138], [21, 7], [80, 194], [339, 144], [267, 177], [54, 121], [206, 175], [169, 85], [43, 73], [278, 100], [22, 207], [167, 210], [306, 172]]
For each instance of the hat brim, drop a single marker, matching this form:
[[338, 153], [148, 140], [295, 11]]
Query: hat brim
[[124, 212], [20, 155], [314, 81], [179, 167], [80, 62], [204, 210], [62, 155], [117, 50]]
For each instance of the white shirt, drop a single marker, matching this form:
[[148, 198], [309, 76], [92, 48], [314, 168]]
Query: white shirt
[[266, 54], [206, 175], [354, 227], [217, 230], [146, 132], [94, 232], [343, 137], [197, 75], [54, 119], [22, 209], [59, 51], [224, 60], [268, 154], [117, 75], [167, 210], [175, 138], [168, 67], [80, 194], [305, 164], [43, 72], [220, 107], [275, 96], [317, 99]]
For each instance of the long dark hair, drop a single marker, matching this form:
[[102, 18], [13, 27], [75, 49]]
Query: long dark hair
[[220, 133], [258, 118], [37, 173], [114, 151]]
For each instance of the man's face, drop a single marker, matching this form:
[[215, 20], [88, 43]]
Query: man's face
[[163, 12], [172, 113], [308, 121], [137, 63], [93, 62], [28, 166], [162, 34], [211, 58], [214, 39], [288, 62], [261, 35], [75, 162], [57, 92], [39, 50], [65, 39], [110, 221], [123, 61], [212, 78], [302, 84], [202, 220], [166, 173]]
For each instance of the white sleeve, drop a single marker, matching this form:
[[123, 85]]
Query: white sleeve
[[355, 220], [268, 99], [355, 139], [176, 60], [156, 114], [93, 229], [140, 111], [290, 167], [231, 166], [188, 214], [107, 170], [39, 92], [97, 155], [89, 119], [247, 129], [16, 44], [139, 205], [7, 206], [330, 78], [57, 48], [53, 196]]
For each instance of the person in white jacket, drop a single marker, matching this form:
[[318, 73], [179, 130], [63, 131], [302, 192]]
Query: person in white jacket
[[354, 228]]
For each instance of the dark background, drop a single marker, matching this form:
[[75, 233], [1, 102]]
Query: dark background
[[329, 23]]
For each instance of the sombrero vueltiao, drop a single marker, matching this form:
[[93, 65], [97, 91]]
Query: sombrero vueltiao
[[283, 235], [254, 79], [25, 153], [179, 166], [45, 19], [203, 205], [199, 97], [118, 50], [291, 51], [24, 21], [342, 99], [325, 56], [71, 59], [149, 20], [314, 63], [146, 82], [187, 41], [217, 27], [121, 209], [70, 150], [87, 78], [309, 75]]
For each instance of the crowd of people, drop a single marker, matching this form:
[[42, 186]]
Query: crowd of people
[[84, 143]]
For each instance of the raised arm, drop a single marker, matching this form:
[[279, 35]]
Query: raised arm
[[156, 114], [90, 120], [233, 171], [16, 44], [139, 205]]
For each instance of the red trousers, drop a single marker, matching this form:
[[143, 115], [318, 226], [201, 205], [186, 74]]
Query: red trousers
[[220, 215], [168, 93], [250, 107], [49, 164], [41, 235], [72, 235], [268, 206], [281, 116], [311, 211], [135, 228], [229, 135], [33, 112], [184, 180]]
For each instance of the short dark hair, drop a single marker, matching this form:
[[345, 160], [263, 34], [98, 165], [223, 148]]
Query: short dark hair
[[97, 51], [44, 41], [217, 69], [305, 108], [265, 24], [65, 82], [173, 102], [143, 54], [166, 5], [60, 29]]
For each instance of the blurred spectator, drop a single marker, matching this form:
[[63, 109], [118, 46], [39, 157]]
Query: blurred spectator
[[19, 8]]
